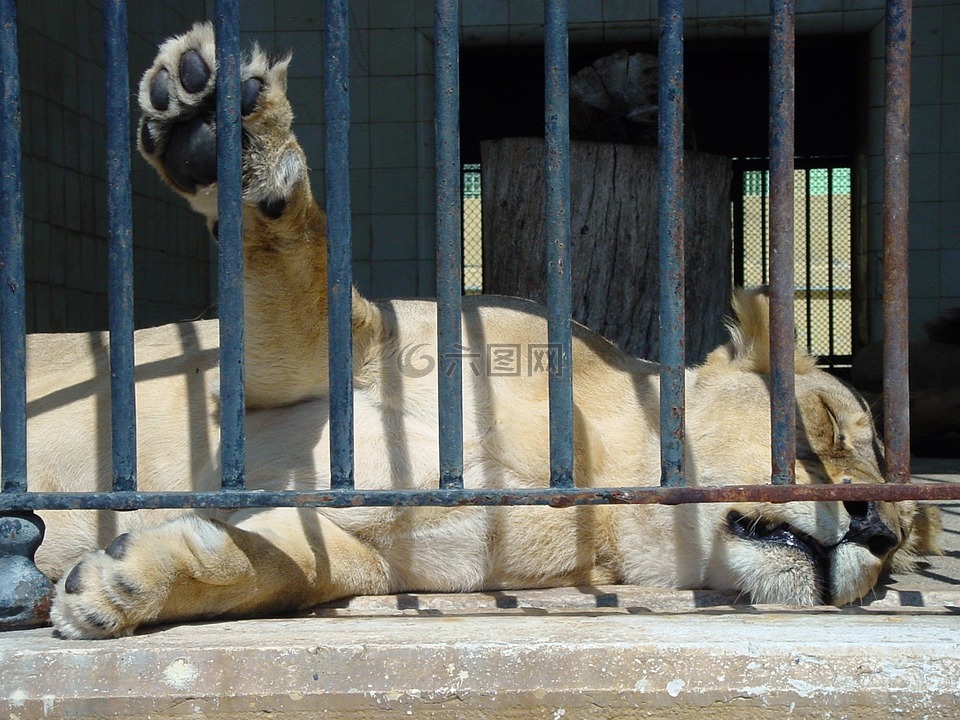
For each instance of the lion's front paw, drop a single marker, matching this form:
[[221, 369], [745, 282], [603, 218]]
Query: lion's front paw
[[107, 594], [182, 569], [178, 133]]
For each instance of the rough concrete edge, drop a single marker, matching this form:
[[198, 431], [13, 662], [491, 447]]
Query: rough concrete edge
[[504, 666]]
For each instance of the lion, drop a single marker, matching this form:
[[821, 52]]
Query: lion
[[173, 566]]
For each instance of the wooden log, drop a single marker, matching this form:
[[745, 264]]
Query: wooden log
[[614, 238]]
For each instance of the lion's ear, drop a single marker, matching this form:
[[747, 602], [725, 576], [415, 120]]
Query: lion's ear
[[750, 334]]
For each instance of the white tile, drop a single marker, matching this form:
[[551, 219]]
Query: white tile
[[924, 177], [925, 128], [720, 8], [484, 12], [950, 225], [821, 23], [924, 226], [924, 273], [393, 99], [427, 278], [950, 272], [628, 10], [818, 6], [949, 177], [306, 99], [925, 88], [927, 31], [861, 21], [393, 191], [392, 14], [394, 237], [585, 11], [393, 279], [393, 145], [307, 47], [392, 52], [525, 12], [361, 277], [257, 15]]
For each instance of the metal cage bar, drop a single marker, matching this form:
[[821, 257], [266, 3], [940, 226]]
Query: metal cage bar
[[782, 381], [449, 244], [16, 498], [671, 241], [559, 278], [896, 200], [336, 90], [230, 237], [13, 399], [120, 257]]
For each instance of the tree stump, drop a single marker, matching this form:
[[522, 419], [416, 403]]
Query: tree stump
[[614, 252]]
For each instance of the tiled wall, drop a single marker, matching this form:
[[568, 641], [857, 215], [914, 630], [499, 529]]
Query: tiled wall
[[61, 74], [392, 115], [934, 165], [392, 140]]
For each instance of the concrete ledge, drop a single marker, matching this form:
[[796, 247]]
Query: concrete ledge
[[538, 656]]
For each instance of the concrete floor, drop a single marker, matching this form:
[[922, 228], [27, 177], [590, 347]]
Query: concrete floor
[[610, 653]]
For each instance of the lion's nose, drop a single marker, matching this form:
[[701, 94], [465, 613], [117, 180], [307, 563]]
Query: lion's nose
[[868, 528]]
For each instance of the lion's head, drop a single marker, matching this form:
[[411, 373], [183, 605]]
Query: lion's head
[[799, 552]]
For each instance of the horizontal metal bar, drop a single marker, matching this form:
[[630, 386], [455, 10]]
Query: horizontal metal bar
[[553, 497]]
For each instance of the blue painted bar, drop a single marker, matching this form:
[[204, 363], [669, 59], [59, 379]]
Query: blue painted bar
[[336, 88], [896, 225], [559, 270], [230, 237], [782, 380], [671, 241], [120, 255], [449, 244], [13, 422]]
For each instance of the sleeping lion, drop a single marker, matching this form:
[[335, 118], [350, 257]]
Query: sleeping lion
[[164, 566]]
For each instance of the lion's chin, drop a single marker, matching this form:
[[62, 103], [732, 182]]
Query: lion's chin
[[773, 563]]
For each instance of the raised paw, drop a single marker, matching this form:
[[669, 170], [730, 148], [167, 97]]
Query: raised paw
[[178, 134], [154, 575]]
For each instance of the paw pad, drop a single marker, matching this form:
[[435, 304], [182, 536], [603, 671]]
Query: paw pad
[[160, 90], [194, 73]]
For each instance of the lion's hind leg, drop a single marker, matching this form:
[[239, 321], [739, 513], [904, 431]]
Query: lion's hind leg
[[281, 560]]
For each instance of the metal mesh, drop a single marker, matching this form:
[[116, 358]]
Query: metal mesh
[[472, 231], [822, 254]]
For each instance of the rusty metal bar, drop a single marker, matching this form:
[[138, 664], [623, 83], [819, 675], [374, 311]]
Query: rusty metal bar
[[671, 242], [782, 285], [896, 197], [554, 497]]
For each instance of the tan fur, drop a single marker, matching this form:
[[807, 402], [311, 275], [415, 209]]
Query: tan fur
[[264, 561]]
